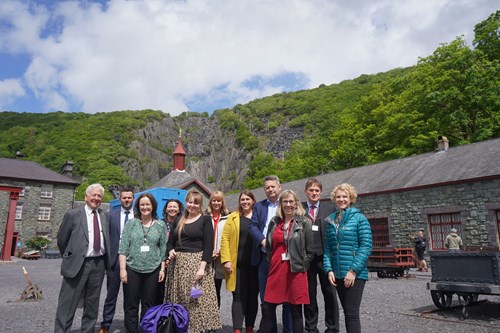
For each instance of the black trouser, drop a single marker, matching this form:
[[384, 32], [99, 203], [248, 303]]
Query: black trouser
[[245, 297], [141, 288], [329, 295], [112, 289], [218, 285], [269, 312], [350, 298]]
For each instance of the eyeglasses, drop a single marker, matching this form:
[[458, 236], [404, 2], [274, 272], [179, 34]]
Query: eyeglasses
[[288, 202]]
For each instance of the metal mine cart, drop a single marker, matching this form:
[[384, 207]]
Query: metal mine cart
[[391, 261], [466, 274]]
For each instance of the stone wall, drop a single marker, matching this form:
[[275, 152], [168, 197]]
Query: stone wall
[[29, 225], [408, 211]]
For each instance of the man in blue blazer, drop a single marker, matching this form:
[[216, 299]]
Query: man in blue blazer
[[117, 219], [83, 240], [318, 211], [263, 211]]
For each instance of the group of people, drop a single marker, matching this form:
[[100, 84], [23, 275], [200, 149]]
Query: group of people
[[278, 247]]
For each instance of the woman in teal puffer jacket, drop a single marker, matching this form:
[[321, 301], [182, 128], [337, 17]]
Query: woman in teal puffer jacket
[[348, 243]]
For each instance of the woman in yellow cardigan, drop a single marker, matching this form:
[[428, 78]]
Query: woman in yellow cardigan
[[235, 253]]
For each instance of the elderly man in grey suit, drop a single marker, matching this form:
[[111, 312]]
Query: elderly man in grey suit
[[83, 240]]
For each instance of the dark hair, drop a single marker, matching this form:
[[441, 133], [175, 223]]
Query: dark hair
[[313, 181], [126, 189], [137, 211], [179, 203], [248, 193]]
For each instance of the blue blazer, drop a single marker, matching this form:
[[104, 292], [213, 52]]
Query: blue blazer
[[114, 236], [256, 229]]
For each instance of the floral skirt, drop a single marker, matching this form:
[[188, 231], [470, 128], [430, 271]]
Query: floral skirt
[[203, 311]]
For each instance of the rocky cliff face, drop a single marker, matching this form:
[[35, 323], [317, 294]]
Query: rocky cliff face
[[213, 157]]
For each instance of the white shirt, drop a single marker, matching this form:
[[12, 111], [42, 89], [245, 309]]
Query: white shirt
[[271, 212], [122, 218], [90, 226], [316, 206]]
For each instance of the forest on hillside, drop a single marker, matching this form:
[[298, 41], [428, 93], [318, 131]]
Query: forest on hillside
[[453, 92]]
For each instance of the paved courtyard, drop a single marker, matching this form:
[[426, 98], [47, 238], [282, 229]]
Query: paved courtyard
[[389, 305]]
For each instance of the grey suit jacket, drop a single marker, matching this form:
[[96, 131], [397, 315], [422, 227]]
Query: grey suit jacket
[[73, 240]]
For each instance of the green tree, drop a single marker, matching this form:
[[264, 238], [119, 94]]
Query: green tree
[[487, 36]]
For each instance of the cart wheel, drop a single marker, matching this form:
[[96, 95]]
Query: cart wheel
[[441, 300], [473, 298]]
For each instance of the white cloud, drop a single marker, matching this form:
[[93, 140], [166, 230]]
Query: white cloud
[[10, 89], [158, 54]]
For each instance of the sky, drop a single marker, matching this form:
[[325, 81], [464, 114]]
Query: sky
[[202, 55]]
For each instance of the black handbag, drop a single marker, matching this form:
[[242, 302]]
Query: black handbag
[[167, 324]]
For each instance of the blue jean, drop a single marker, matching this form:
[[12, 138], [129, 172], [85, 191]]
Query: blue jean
[[262, 271]]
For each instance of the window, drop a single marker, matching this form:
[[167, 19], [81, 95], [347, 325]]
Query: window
[[46, 191], [440, 225], [380, 231], [44, 212], [19, 211]]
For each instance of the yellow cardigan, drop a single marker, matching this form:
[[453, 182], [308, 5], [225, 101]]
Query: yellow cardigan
[[229, 247]]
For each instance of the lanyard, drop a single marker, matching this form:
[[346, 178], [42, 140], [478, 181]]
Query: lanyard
[[216, 221], [144, 233], [286, 233]]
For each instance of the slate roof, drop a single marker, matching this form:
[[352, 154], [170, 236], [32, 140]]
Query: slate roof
[[476, 161], [179, 179], [22, 170]]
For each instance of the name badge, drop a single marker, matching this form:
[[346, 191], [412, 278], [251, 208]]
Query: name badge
[[285, 256], [315, 228], [145, 248]]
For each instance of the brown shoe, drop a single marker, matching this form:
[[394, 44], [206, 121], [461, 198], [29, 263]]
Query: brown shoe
[[103, 330]]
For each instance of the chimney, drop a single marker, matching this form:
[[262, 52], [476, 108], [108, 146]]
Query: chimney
[[67, 169], [179, 154], [443, 143]]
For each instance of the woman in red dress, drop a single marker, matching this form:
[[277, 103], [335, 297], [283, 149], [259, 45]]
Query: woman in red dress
[[289, 246]]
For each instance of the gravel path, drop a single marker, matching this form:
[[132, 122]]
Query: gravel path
[[389, 305]]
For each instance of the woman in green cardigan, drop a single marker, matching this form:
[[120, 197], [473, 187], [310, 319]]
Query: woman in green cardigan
[[235, 252]]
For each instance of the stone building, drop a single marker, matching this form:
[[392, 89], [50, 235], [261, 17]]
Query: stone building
[[456, 187], [45, 197]]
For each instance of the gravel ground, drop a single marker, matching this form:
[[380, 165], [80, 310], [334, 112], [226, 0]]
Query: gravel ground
[[389, 305]]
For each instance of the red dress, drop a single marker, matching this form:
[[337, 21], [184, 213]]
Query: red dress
[[282, 285]]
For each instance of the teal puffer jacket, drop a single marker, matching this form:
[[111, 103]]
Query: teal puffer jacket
[[349, 246]]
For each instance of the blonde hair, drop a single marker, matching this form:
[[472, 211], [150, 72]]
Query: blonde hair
[[218, 195], [348, 188], [198, 199], [299, 210]]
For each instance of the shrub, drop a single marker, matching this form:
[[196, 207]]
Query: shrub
[[38, 243]]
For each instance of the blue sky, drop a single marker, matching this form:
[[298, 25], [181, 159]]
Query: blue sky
[[198, 55]]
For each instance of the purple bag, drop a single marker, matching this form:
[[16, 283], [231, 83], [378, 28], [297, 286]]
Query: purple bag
[[196, 291], [162, 314]]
